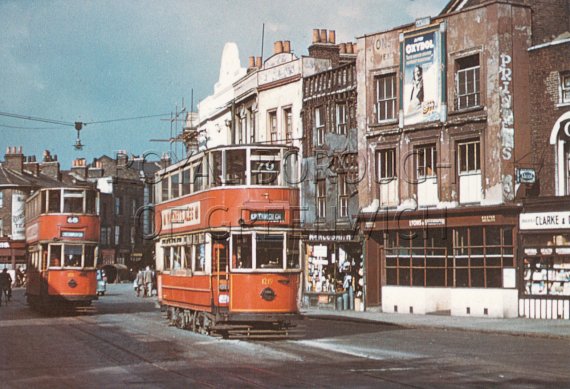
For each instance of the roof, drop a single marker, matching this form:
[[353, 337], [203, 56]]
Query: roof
[[10, 178]]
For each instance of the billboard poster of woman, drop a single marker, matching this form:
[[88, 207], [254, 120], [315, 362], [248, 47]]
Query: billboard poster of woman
[[421, 99]]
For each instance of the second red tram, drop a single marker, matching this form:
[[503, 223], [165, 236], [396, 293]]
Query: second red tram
[[227, 249], [62, 233]]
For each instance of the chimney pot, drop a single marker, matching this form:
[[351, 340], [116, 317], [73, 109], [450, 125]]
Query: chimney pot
[[277, 47], [286, 46], [316, 35], [323, 36], [355, 48], [349, 48], [332, 37], [251, 61], [258, 62], [342, 48]]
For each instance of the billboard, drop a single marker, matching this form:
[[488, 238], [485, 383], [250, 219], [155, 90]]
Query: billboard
[[423, 71]]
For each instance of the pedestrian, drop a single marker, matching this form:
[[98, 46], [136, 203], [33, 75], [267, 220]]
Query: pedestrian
[[148, 281], [5, 285], [139, 283]]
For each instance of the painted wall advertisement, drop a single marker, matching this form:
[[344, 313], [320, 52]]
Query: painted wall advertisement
[[422, 76], [18, 217]]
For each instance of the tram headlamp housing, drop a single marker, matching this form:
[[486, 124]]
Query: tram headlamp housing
[[268, 294]]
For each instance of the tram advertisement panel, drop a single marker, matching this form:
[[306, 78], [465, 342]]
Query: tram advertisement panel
[[422, 81]]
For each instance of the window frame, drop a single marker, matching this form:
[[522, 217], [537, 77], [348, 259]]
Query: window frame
[[472, 94], [383, 100], [321, 197], [341, 110], [320, 124], [565, 88], [476, 152]]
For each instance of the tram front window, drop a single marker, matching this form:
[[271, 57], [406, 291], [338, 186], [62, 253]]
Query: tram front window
[[269, 251], [72, 255], [89, 256], [73, 201], [55, 255], [241, 252]]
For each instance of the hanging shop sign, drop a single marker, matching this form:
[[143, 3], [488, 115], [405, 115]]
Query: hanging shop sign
[[526, 176], [544, 221]]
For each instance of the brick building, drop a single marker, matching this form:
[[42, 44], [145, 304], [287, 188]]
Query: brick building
[[444, 125], [544, 241], [332, 247]]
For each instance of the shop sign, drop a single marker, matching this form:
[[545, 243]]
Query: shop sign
[[530, 251], [185, 216], [72, 234], [320, 251], [526, 176], [563, 250], [267, 216], [426, 222], [546, 251], [488, 219], [330, 238], [4, 245], [544, 220]]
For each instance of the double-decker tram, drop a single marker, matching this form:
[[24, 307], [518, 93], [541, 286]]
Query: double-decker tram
[[227, 245], [62, 233]]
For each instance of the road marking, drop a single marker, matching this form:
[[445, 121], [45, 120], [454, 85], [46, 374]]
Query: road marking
[[357, 351], [382, 369]]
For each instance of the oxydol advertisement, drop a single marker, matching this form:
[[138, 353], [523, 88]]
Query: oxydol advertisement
[[422, 77]]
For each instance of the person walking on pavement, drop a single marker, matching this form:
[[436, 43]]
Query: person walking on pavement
[[148, 282], [139, 281], [5, 285]]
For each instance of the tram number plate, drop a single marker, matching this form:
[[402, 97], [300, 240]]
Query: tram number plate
[[266, 281]]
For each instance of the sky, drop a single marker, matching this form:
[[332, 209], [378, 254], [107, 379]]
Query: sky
[[99, 62]]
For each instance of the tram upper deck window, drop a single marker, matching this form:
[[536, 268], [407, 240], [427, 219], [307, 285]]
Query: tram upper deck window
[[185, 182], [55, 255], [269, 251], [198, 176], [235, 167], [72, 255], [91, 202], [265, 167], [216, 168], [73, 201], [54, 200]]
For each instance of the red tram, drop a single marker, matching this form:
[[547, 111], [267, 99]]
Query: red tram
[[62, 232], [227, 249]]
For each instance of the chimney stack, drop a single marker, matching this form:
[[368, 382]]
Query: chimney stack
[[49, 166], [79, 167], [14, 159], [277, 47], [31, 166], [332, 37]]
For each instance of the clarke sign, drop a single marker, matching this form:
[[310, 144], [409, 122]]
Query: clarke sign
[[544, 221]]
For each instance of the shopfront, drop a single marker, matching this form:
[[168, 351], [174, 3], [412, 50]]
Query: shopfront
[[12, 254], [544, 291], [334, 271], [458, 262]]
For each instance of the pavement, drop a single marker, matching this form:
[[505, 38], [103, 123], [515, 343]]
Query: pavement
[[512, 326]]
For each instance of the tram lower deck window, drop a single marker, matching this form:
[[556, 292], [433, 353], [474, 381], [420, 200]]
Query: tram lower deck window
[[269, 251], [241, 252]]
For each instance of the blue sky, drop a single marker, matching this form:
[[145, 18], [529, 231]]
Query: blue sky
[[94, 61]]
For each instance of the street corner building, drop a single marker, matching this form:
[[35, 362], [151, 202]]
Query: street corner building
[[463, 120]]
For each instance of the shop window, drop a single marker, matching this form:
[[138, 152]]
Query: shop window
[[242, 249], [55, 255], [385, 107], [54, 201], [293, 253], [72, 255], [565, 88], [269, 252], [432, 258], [467, 82], [341, 119], [547, 274], [320, 124], [272, 121], [321, 199]]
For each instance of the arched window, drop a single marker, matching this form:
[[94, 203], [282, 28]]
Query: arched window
[[560, 139]]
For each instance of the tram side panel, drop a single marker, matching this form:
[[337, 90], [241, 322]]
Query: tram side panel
[[189, 292], [258, 293]]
